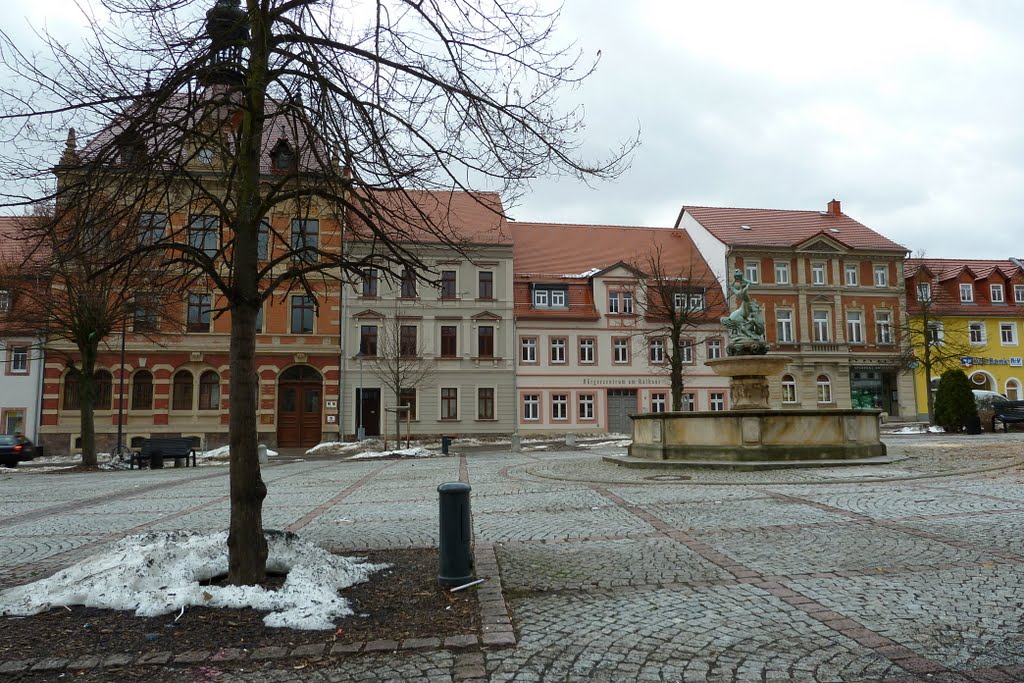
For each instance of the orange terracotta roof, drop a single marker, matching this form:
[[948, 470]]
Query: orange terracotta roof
[[581, 250], [786, 228], [945, 277], [579, 295], [15, 247], [432, 217], [944, 268]]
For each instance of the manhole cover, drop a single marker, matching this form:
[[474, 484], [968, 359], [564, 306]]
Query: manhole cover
[[669, 477]]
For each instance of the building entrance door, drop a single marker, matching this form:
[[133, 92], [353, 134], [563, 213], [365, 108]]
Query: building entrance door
[[368, 411], [299, 407], [621, 404]]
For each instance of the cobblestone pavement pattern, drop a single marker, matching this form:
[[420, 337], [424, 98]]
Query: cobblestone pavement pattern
[[907, 572]]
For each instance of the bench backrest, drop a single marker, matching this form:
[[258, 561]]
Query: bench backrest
[[1008, 407], [169, 446]]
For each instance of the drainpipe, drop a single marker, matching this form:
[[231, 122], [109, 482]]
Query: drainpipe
[[342, 320]]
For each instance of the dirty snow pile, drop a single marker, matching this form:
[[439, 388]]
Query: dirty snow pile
[[159, 573], [337, 448], [415, 452]]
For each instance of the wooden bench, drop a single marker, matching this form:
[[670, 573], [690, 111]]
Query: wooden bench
[[166, 446], [1007, 412]]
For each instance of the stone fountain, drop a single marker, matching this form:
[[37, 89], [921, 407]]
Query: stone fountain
[[751, 435]]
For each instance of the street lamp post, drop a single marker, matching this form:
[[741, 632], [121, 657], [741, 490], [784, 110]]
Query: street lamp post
[[120, 393], [360, 430]]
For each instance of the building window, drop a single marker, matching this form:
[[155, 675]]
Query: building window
[[306, 239], [717, 401], [198, 319], [549, 297], [752, 271], [658, 402], [851, 274], [788, 389], [181, 390], [924, 292], [368, 340], [881, 276], [817, 273], [72, 394], [449, 403], [531, 407], [5, 301], [407, 397], [686, 351], [559, 406], [613, 302], [258, 324], [19, 360], [883, 327], [821, 326], [303, 309], [627, 303], [1008, 334], [558, 350], [485, 284], [448, 284], [966, 293], [656, 350], [528, 350], [1013, 390], [541, 298], [696, 302], [586, 406], [407, 343], [976, 332], [104, 382], [689, 402], [449, 341], [620, 350], [1018, 295], [824, 389], [933, 334], [145, 312], [151, 228], [202, 234], [485, 341], [371, 282], [854, 327], [263, 241], [142, 390], [997, 294], [13, 421], [408, 290], [781, 273], [485, 403], [558, 298], [587, 350], [209, 391], [714, 348], [784, 326]]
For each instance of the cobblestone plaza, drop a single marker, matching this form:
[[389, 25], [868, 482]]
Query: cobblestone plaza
[[906, 572]]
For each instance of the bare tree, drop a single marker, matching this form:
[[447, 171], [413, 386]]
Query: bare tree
[[677, 298], [314, 108]]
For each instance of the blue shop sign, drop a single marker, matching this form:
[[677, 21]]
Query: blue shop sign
[[968, 361]]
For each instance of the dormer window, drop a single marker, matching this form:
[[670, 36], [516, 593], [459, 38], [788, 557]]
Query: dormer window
[[549, 296], [5, 301], [966, 293], [997, 294], [282, 157], [130, 148], [924, 291]]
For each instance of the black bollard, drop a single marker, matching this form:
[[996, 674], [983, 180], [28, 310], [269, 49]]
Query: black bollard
[[455, 544], [446, 443], [156, 460]]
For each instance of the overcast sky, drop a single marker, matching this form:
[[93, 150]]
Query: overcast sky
[[909, 112]]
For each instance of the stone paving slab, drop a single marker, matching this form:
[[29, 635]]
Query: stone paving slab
[[536, 525], [997, 533], [728, 514]]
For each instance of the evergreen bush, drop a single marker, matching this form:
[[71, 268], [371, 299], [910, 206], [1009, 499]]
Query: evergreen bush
[[954, 402]]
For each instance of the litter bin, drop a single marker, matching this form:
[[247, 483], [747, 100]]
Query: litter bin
[[39, 452], [455, 543], [156, 460], [446, 443], [973, 425]]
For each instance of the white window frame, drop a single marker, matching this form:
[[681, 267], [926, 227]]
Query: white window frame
[[966, 293], [1012, 389], [620, 350], [784, 325], [714, 348], [558, 345], [824, 389], [881, 276], [559, 407], [752, 271], [782, 272], [883, 327], [613, 303], [851, 273], [924, 292], [818, 278], [1008, 333], [789, 394], [935, 333], [686, 351], [587, 347], [558, 298], [997, 294], [531, 407], [656, 350], [854, 327], [689, 401], [5, 300], [976, 326], [1018, 294], [659, 402], [822, 326], [19, 360], [586, 406], [627, 303], [528, 350], [717, 401]]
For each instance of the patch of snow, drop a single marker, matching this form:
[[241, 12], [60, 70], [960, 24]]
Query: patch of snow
[[415, 452], [123, 577], [621, 443], [336, 448]]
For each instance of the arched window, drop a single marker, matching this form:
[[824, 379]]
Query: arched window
[[209, 391], [788, 389], [104, 389], [1013, 390], [824, 389], [142, 390], [72, 398], [181, 390]]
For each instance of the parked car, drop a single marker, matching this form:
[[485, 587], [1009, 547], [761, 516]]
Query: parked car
[[15, 448], [983, 397]]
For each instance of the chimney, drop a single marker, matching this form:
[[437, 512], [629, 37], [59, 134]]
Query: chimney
[[834, 209]]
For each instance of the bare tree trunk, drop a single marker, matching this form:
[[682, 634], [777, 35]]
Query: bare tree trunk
[[87, 406]]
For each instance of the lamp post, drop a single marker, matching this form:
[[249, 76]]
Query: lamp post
[[119, 449], [360, 430]]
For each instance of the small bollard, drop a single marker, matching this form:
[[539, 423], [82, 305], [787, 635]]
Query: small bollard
[[261, 451], [455, 552], [446, 443], [517, 444], [156, 460], [570, 439]]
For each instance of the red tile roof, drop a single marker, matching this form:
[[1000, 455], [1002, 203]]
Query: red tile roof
[[785, 228], [944, 268], [944, 276], [567, 249], [17, 247], [433, 217], [579, 295]]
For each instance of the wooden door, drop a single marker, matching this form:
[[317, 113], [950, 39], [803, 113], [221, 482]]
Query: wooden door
[[299, 408], [368, 411]]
